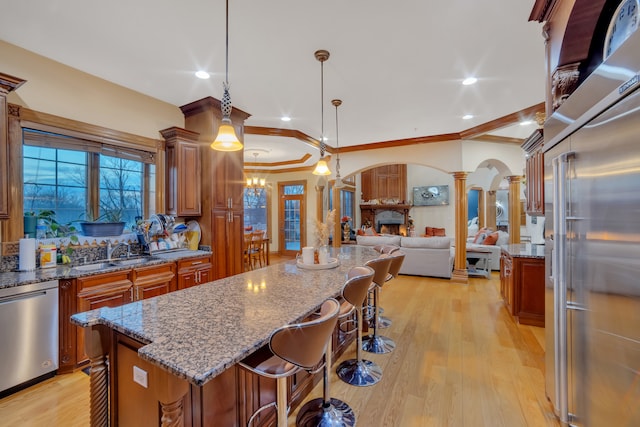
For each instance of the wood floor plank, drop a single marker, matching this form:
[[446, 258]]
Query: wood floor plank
[[460, 361]]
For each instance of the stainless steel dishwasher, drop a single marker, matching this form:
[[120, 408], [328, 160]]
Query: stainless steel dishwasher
[[28, 333]]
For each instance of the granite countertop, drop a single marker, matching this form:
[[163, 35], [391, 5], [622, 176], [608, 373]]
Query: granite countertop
[[524, 250], [18, 278], [199, 332]]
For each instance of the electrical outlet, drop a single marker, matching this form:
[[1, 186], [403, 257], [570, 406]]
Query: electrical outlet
[[140, 376]]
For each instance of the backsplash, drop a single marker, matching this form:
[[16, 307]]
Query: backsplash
[[87, 250]]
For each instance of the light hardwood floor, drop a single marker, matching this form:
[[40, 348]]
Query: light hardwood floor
[[460, 361]]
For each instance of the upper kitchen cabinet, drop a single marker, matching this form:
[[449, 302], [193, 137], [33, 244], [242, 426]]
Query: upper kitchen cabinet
[[222, 185], [7, 84], [184, 189], [534, 172]]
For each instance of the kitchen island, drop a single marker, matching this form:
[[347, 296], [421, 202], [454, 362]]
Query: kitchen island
[[522, 282], [179, 351]]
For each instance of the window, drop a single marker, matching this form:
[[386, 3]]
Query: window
[[347, 203], [255, 209], [65, 174], [55, 180]]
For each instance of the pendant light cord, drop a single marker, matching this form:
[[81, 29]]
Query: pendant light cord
[[227, 44], [337, 143], [322, 145]]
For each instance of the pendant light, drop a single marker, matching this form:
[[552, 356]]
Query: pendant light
[[338, 183], [226, 139], [322, 168]]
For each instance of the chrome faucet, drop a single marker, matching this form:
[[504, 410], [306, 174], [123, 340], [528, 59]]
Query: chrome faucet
[[111, 249]]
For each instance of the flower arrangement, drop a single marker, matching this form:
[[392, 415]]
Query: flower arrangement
[[345, 219], [323, 229]]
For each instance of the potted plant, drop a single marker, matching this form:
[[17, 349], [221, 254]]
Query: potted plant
[[108, 224]]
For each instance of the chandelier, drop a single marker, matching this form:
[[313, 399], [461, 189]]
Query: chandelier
[[256, 184]]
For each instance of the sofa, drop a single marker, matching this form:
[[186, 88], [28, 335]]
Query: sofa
[[424, 256], [491, 241]]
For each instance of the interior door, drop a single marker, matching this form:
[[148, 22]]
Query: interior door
[[291, 217]]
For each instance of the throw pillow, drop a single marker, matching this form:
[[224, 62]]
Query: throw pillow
[[491, 239], [428, 231], [439, 232], [370, 232]]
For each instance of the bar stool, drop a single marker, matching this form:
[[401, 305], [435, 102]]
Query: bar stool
[[358, 372], [383, 322], [377, 343], [397, 258], [294, 347]]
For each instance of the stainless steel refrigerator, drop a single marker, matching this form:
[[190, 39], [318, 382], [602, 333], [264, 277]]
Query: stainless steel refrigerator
[[592, 247]]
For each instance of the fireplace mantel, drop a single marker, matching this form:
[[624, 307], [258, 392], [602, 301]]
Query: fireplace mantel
[[368, 212]]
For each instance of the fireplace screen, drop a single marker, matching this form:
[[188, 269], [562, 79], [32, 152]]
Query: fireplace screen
[[433, 195]]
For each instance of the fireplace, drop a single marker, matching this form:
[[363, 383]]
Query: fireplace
[[385, 218]]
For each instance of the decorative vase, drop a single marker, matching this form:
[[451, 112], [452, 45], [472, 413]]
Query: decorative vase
[[346, 232], [323, 254]]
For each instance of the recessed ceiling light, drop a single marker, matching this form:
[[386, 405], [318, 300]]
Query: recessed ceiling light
[[467, 117], [285, 118], [469, 81], [526, 123], [202, 74]]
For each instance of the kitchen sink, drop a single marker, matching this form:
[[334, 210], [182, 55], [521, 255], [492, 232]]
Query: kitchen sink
[[130, 261], [93, 267]]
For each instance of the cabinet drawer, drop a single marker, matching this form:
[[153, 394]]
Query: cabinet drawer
[[191, 263], [101, 279]]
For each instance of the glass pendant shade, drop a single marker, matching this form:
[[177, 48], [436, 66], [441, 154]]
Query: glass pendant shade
[[322, 168], [226, 139]]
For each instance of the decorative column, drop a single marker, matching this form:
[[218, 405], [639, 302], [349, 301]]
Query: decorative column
[[490, 219], [337, 228], [514, 208], [170, 392], [460, 261]]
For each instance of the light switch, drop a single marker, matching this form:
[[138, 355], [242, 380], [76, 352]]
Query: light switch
[[140, 376]]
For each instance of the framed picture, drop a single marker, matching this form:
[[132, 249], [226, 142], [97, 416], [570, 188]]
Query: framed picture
[[432, 195]]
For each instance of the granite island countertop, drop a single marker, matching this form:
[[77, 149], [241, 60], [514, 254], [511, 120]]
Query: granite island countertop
[[199, 332], [19, 278], [524, 250]]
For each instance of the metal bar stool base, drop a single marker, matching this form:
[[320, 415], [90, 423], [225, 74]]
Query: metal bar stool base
[[378, 344], [384, 322], [315, 414], [359, 373]]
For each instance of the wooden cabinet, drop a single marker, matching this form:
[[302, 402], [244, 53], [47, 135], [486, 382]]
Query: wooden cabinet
[[506, 280], [109, 290], [67, 304], [223, 186], [534, 172], [385, 182], [522, 287], [183, 172], [100, 290], [194, 271], [153, 280], [7, 84]]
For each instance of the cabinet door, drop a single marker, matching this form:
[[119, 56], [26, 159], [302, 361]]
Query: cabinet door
[[67, 335], [100, 290], [186, 280], [204, 275], [188, 195], [153, 280]]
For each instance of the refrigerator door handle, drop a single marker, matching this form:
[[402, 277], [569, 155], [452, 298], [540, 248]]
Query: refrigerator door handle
[[575, 306], [560, 177]]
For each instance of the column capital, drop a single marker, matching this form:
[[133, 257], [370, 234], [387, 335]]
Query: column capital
[[514, 178], [459, 175]]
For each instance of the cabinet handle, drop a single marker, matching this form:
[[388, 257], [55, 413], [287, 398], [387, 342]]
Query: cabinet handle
[[196, 262], [131, 293]]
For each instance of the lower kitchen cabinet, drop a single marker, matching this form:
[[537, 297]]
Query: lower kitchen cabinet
[[153, 280], [194, 271], [114, 289], [522, 287]]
